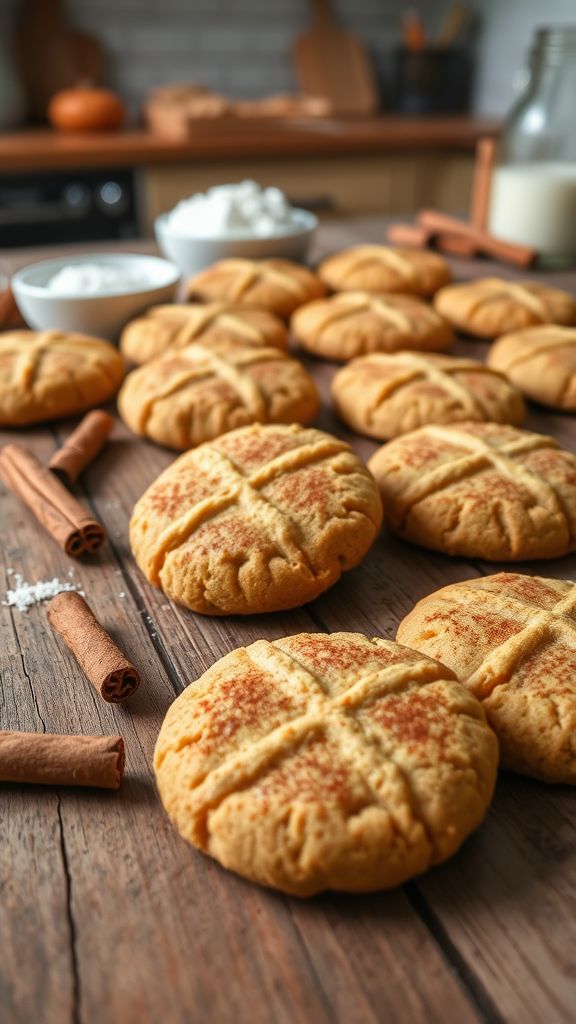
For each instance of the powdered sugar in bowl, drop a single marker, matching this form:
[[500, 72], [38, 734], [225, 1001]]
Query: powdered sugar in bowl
[[94, 294], [234, 220]]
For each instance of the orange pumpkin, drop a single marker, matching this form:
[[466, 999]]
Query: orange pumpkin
[[85, 109]]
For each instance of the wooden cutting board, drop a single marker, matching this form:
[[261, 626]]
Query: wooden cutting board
[[332, 63]]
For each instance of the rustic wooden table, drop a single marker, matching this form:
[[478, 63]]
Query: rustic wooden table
[[106, 915]]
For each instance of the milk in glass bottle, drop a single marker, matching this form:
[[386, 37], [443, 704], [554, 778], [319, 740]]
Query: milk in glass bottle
[[533, 196]]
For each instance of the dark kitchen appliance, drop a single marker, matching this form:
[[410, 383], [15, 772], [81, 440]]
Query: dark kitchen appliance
[[67, 206]]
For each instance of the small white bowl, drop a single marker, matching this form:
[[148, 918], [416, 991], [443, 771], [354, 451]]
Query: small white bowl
[[103, 314], [192, 252]]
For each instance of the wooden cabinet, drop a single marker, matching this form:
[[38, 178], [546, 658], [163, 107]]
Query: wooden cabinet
[[384, 183]]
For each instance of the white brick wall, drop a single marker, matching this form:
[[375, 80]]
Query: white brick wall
[[243, 47]]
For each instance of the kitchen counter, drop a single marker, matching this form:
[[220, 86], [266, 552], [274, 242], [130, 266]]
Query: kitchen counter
[[43, 149], [107, 915]]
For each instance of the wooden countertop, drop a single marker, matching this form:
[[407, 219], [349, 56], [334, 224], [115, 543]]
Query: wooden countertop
[[107, 915], [42, 149]]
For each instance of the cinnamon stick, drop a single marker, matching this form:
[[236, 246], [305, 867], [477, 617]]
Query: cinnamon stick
[[82, 446], [507, 252], [9, 312], [50, 759], [71, 525], [100, 659], [418, 237], [482, 183]]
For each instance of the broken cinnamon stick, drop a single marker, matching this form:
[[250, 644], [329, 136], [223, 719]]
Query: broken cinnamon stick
[[482, 183], [71, 525], [51, 759], [100, 659], [507, 252], [82, 446]]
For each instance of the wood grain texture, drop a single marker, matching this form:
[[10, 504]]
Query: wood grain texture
[[107, 915], [45, 149]]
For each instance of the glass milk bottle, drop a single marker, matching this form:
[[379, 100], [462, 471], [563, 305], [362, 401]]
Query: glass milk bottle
[[533, 194]]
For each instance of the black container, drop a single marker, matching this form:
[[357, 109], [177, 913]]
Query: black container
[[432, 81]]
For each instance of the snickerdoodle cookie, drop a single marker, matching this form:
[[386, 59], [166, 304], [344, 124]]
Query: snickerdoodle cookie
[[214, 324], [480, 490], [541, 362], [381, 268], [354, 323], [45, 375], [277, 285], [262, 518], [326, 762], [192, 395], [511, 640], [387, 395], [489, 306]]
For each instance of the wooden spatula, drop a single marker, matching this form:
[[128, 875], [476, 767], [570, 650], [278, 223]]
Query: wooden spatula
[[332, 63]]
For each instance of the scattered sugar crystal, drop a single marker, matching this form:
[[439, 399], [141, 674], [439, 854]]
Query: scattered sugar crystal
[[122, 594], [10, 572], [24, 594]]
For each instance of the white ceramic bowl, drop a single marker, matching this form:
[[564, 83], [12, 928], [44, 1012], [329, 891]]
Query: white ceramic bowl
[[192, 253], [104, 314]]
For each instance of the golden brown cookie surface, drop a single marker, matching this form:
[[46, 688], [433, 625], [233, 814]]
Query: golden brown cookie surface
[[511, 639], [382, 268], [480, 490], [50, 374], [213, 324], [388, 395], [260, 519], [541, 362], [489, 306], [326, 762], [354, 323], [190, 396], [279, 286]]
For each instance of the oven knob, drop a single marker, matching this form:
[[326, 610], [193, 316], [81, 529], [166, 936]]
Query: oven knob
[[111, 198], [77, 198]]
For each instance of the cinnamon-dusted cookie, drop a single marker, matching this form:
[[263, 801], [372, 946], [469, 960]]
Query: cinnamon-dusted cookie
[[326, 762], [45, 375], [541, 362], [190, 396], [387, 395], [511, 640], [262, 518], [382, 268], [277, 285], [489, 306], [480, 490], [214, 324], [354, 323]]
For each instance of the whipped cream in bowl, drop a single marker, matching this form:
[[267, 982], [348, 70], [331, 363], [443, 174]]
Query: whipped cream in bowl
[[237, 220], [94, 294]]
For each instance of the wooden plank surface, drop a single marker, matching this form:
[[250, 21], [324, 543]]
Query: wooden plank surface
[[107, 915]]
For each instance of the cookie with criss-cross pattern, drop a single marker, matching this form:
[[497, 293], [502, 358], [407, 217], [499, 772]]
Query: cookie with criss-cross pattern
[[260, 519], [381, 268], [50, 374], [489, 306], [192, 395], [480, 490], [214, 324], [279, 286], [511, 640], [326, 762], [541, 362], [387, 395], [354, 323]]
